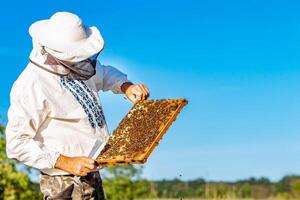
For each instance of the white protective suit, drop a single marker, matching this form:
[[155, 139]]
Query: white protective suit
[[51, 115]]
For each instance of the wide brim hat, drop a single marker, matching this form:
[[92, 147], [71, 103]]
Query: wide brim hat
[[66, 37]]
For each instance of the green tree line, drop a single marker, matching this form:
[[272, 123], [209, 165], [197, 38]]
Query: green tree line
[[253, 188], [126, 183]]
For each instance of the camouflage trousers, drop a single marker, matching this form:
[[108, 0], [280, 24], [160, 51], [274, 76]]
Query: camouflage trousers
[[69, 187]]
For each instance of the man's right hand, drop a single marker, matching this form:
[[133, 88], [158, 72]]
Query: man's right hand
[[78, 166]]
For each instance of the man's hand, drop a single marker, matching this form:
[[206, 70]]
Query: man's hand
[[78, 166], [135, 92]]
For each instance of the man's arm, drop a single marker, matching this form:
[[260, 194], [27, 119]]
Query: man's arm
[[27, 112], [110, 78]]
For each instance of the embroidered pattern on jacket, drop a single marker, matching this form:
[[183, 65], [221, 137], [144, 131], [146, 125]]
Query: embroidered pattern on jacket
[[86, 99]]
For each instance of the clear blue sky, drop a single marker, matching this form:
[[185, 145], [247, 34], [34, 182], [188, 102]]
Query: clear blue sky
[[237, 62]]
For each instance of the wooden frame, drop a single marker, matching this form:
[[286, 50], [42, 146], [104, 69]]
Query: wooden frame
[[141, 156]]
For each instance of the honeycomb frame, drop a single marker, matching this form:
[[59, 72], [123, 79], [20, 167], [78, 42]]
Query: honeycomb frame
[[141, 156]]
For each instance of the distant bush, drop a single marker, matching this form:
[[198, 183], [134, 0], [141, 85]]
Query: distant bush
[[14, 184]]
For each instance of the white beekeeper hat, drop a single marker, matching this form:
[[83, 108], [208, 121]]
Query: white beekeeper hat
[[65, 37]]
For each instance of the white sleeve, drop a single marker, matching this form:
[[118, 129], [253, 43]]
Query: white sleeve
[[109, 78], [27, 112]]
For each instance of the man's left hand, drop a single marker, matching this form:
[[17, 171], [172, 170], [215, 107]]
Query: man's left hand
[[135, 92]]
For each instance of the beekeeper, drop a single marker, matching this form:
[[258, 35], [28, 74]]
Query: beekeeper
[[55, 120]]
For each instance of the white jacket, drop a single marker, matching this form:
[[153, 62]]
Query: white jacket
[[50, 115]]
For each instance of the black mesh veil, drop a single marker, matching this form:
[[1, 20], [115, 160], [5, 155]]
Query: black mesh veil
[[82, 70]]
